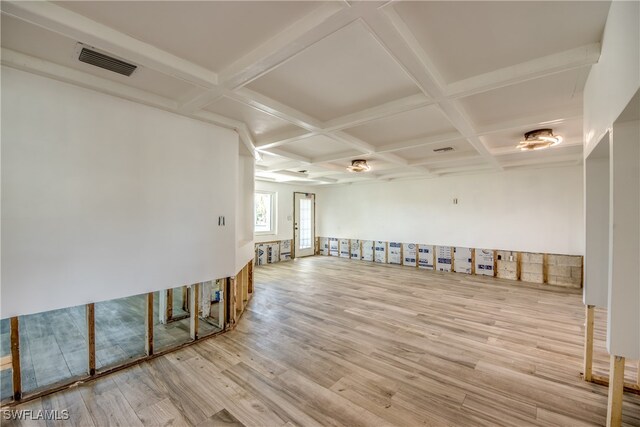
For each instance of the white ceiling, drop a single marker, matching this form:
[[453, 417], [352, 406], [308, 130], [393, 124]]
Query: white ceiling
[[314, 85]]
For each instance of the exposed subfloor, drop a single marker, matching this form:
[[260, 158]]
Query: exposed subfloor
[[328, 341]]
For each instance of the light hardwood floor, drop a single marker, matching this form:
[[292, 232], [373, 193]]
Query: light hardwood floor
[[328, 341]]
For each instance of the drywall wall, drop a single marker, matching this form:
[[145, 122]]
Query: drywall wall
[[616, 77], [244, 209], [609, 93], [284, 230], [539, 210], [596, 211], [104, 198], [623, 314]]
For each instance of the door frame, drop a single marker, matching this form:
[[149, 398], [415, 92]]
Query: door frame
[[293, 245]]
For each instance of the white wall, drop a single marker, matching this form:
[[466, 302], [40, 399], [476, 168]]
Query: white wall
[[245, 209], [284, 192], [533, 210], [611, 84], [616, 77], [105, 198]]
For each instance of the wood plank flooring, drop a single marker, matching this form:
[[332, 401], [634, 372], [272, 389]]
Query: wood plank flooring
[[329, 341]]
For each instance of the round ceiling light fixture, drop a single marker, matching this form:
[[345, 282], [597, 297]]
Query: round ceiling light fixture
[[539, 139], [359, 165]]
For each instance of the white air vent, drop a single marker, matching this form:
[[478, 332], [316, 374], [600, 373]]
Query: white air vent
[[443, 149], [92, 57]]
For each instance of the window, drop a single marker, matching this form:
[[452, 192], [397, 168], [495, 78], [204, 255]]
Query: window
[[265, 214]]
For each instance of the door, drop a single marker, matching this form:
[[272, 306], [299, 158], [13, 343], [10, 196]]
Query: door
[[304, 230]]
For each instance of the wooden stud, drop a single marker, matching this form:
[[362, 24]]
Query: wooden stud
[[233, 311], [638, 374], [193, 310], [435, 258], [91, 338], [250, 278], [545, 268], [185, 298], [518, 265], [495, 263], [386, 252], [15, 359], [616, 387], [473, 261], [148, 324], [588, 343], [169, 305], [245, 285], [453, 259]]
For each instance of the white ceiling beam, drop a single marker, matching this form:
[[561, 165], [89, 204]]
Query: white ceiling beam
[[582, 56], [325, 20], [275, 108], [567, 158], [287, 137], [444, 159], [478, 168], [290, 164], [531, 122], [410, 102], [336, 157], [419, 142], [78, 27], [398, 38], [281, 153]]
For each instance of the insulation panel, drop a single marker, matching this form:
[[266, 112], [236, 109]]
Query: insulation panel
[[333, 246], [324, 246], [345, 248], [425, 256], [380, 252], [484, 262], [355, 249], [409, 254], [443, 258], [463, 260], [395, 253], [367, 250]]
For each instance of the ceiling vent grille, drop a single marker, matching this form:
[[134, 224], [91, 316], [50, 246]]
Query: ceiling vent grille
[[110, 63], [443, 149]]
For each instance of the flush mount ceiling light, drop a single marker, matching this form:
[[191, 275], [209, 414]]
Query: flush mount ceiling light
[[539, 139], [359, 165]]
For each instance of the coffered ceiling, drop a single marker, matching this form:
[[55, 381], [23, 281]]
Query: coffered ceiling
[[313, 85]]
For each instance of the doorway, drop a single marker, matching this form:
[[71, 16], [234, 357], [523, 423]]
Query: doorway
[[304, 224]]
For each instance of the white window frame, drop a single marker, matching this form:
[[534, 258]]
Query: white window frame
[[274, 214]]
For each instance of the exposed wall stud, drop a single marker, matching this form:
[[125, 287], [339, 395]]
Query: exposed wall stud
[[148, 324], [193, 310], [588, 342], [91, 338], [616, 387], [169, 305], [545, 268], [15, 359], [518, 265]]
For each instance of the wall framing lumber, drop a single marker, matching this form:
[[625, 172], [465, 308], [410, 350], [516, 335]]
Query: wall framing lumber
[[91, 338], [16, 378], [193, 310], [148, 324], [250, 289], [588, 342], [616, 388], [169, 305]]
